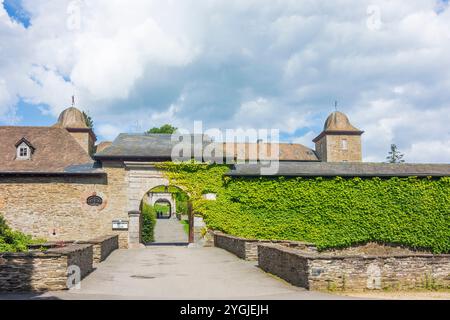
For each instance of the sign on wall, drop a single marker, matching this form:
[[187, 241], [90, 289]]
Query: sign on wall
[[120, 225]]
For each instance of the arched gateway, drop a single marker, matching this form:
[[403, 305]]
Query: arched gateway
[[162, 197], [146, 183]]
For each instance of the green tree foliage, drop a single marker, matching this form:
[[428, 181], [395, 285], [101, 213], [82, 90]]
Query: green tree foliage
[[330, 212], [395, 156], [88, 120], [167, 129], [14, 241], [163, 208], [148, 222]]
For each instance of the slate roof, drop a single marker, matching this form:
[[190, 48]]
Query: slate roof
[[286, 151], [158, 147], [56, 152], [327, 169], [103, 145]]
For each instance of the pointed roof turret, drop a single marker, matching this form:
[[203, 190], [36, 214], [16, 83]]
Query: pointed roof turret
[[71, 118], [338, 123]]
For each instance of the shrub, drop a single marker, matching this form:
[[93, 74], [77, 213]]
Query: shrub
[[181, 201], [14, 241], [148, 222], [330, 212]]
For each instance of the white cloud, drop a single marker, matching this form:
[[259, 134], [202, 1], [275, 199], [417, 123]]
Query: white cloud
[[7, 104], [429, 151], [306, 139], [108, 131], [265, 114], [108, 66], [238, 63], [390, 121]]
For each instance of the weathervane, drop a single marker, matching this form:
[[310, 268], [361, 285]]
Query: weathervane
[[335, 105], [73, 101]]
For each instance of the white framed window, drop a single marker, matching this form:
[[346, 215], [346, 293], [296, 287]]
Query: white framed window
[[23, 152], [344, 144]]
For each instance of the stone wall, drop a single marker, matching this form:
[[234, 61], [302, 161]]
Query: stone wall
[[247, 249], [54, 208], [43, 271], [103, 247], [330, 148], [140, 179], [327, 272], [335, 153]]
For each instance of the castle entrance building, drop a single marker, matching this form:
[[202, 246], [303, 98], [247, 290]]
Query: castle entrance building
[[57, 183]]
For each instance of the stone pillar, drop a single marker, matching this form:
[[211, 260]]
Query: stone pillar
[[134, 229]]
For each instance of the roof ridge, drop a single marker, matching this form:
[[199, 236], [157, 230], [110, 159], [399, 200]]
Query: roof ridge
[[30, 127]]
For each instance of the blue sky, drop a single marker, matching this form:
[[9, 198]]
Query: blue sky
[[17, 12], [234, 64]]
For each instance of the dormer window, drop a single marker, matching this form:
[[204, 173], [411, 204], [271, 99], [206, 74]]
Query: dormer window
[[24, 150]]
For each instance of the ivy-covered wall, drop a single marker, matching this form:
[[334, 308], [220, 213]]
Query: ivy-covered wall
[[330, 212]]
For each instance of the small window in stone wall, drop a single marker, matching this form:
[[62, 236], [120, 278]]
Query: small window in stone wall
[[94, 201], [344, 144]]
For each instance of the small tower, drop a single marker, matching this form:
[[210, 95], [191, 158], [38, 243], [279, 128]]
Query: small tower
[[339, 141], [73, 121]]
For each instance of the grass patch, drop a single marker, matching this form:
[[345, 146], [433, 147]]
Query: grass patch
[[185, 224]]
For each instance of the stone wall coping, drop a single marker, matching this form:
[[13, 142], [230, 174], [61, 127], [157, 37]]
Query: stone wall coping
[[43, 254], [320, 256], [69, 249], [50, 244], [219, 233], [56, 244], [98, 240], [51, 253]]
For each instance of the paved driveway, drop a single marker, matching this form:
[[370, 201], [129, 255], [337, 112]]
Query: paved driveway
[[181, 273], [170, 231]]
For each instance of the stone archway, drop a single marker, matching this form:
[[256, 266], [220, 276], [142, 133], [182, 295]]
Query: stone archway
[[140, 178], [161, 206], [155, 197], [168, 204]]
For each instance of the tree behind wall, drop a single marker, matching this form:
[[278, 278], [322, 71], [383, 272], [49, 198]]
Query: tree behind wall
[[88, 120], [165, 129], [395, 156]]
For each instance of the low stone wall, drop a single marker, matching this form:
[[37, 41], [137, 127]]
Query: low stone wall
[[328, 272], [43, 271], [247, 249], [103, 246]]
